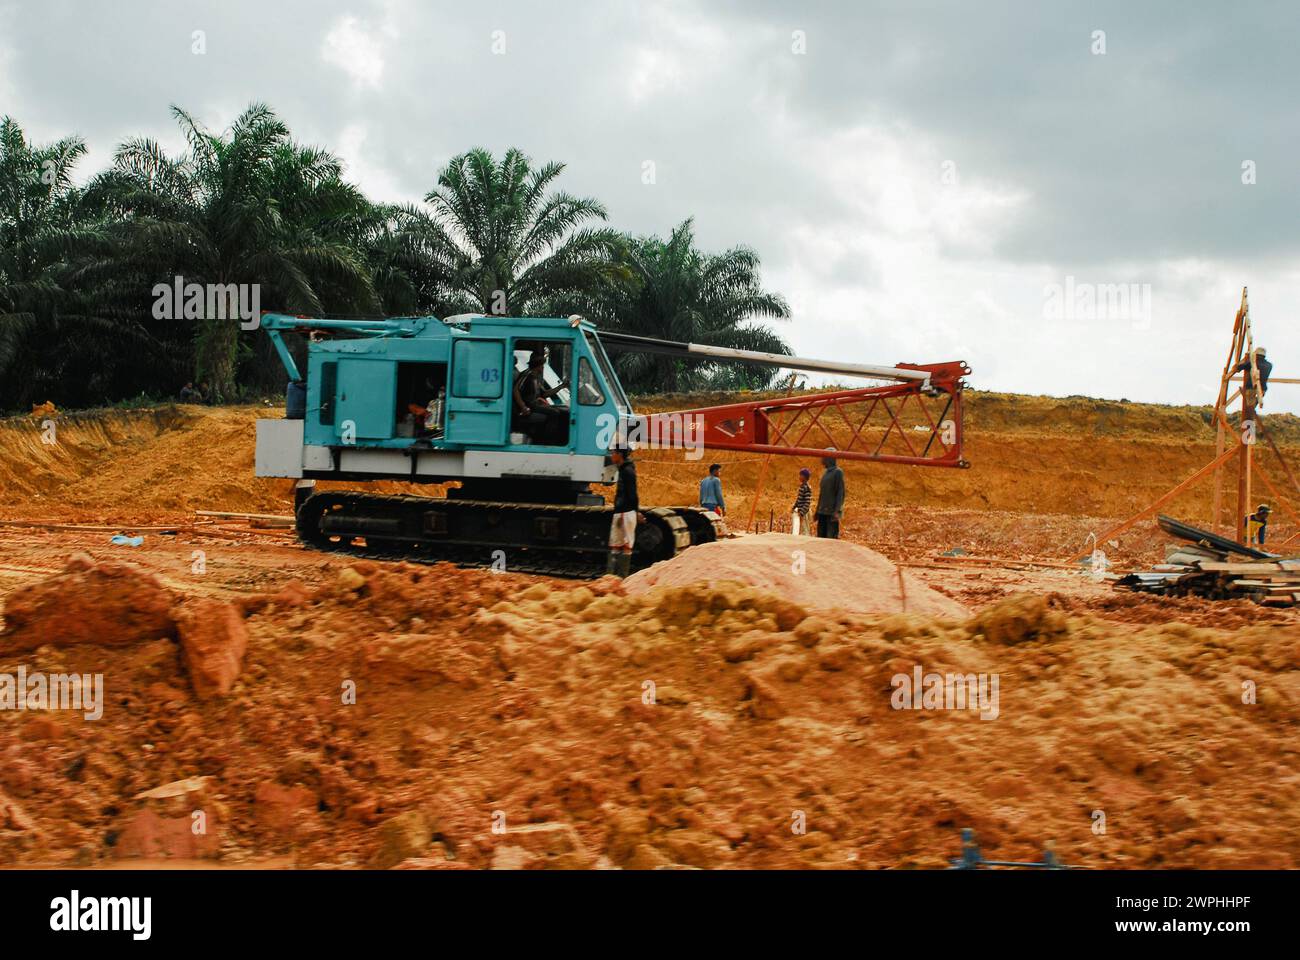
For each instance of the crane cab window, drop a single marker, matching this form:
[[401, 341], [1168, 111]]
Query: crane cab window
[[540, 396], [589, 392]]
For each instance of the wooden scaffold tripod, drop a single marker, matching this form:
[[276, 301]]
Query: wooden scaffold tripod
[[1240, 382]]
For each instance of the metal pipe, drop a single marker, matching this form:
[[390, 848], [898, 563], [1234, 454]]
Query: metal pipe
[[673, 348], [282, 321], [275, 323]]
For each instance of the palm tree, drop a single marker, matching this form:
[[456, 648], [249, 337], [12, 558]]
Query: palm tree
[[499, 242], [676, 292], [392, 239], [55, 340], [247, 206]]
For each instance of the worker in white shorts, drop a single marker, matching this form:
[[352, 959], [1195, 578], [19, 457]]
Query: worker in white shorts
[[622, 532]]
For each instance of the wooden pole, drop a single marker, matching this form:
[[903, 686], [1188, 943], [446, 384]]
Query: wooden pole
[[1247, 426], [244, 516], [1220, 442], [1221, 404]]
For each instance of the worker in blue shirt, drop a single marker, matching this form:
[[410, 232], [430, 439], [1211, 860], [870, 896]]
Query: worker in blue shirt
[[711, 491]]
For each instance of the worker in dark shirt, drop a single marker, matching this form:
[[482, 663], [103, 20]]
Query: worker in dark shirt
[[1265, 368], [1257, 523], [830, 500], [711, 491], [622, 532], [534, 412]]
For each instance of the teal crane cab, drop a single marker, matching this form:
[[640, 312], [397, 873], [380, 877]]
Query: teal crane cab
[[418, 398]]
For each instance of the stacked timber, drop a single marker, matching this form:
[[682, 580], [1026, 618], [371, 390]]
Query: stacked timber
[[1217, 568]]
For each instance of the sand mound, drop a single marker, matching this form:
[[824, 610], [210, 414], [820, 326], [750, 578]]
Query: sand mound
[[825, 574]]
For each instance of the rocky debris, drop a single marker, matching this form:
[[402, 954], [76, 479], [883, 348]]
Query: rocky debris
[[541, 846], [149, 835], [350, 579], [1021, 618], [177, 788], [213, 640], [42, 727], [178, 820], [406, 836], [13, 816], [109, 604], [280, 809]]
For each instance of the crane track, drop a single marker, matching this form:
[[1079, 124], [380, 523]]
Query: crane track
[[559, 540]]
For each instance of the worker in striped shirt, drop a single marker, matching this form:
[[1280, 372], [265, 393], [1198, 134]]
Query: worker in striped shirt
[[802, 510]]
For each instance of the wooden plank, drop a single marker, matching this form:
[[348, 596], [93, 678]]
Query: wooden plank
[[97, 528], [1210, 566], [245, 516]]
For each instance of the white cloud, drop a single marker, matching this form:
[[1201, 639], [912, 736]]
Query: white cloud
[[362, 167], [8, 91], [357, 48], [675, 53]]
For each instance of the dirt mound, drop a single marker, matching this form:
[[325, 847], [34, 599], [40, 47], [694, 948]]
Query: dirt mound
[[822, 574], [429, 717], [116, 605], [102, 603], [1022, 618]]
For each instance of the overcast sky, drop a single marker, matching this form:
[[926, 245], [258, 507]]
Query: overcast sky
[[923, 181]]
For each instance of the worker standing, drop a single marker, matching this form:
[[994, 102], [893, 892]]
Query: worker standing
[[711, 491], [622, 532], [1257, 523], [800, 524], [830, 500]]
